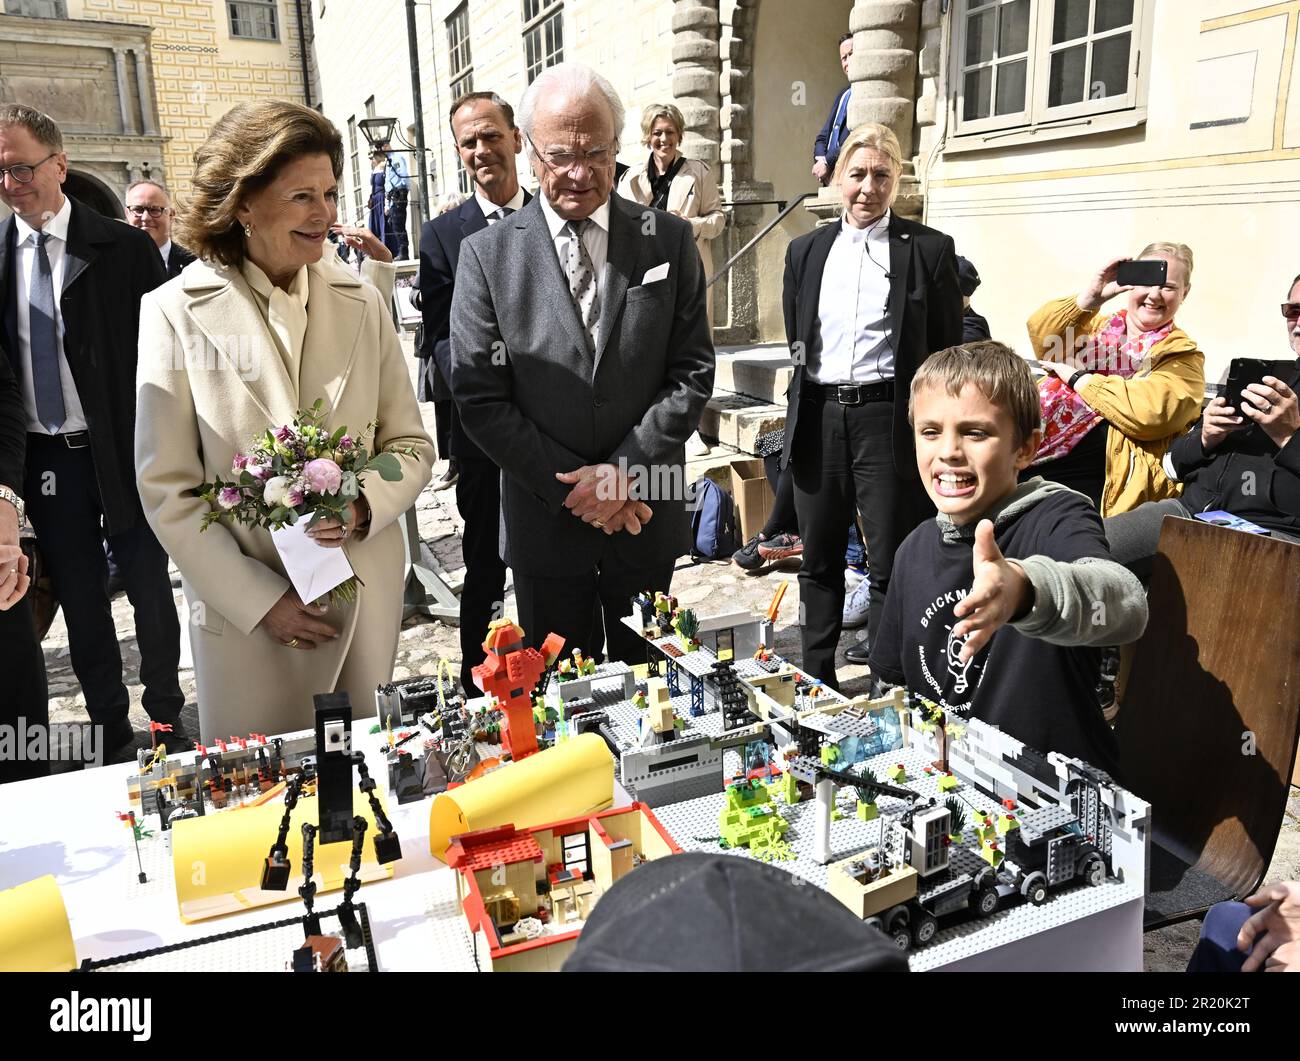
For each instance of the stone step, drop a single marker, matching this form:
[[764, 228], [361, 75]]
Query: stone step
[[736, 420], [761, 371], [715, 465]]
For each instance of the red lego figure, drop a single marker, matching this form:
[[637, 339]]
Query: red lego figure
[[509, 675]]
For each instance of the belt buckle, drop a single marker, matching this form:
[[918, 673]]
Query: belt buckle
[[76, 439], [844, 388]]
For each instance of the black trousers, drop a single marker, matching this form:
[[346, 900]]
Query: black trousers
[[482, 597], [577, 605], [24, 699], [63, 505], [843, 459], [444, 415]]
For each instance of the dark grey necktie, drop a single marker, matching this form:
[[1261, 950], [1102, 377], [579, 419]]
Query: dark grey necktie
[[503, 212], [44, 335], [582, 281]]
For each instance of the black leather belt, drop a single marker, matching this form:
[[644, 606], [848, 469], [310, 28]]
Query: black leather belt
[[849, 393], [72, 440]]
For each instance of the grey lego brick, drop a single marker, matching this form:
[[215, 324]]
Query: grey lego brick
[[692, 823], [1038, 823]]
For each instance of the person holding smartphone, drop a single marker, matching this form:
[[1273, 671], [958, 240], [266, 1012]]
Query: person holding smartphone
[[1223, 466], [1120, 385]]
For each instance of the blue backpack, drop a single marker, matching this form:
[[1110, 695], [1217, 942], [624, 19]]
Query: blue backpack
[[713, 521]]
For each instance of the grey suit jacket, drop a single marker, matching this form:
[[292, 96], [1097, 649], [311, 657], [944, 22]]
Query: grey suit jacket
[[537, 402]]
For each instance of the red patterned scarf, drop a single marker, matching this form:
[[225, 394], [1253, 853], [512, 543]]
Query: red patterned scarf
[[1108, 352]]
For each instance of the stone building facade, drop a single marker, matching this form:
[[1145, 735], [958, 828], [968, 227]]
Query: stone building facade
[[138, 83]]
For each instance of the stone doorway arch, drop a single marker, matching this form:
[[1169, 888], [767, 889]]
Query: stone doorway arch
[[94, 193]]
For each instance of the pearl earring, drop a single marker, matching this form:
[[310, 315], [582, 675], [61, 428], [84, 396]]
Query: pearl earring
[[248, 230]]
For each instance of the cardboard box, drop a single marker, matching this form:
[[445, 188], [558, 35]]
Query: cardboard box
[[752, 495]]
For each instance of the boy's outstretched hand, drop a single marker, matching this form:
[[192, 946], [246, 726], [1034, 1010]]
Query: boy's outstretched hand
[[1273, 930], [1001, 592]]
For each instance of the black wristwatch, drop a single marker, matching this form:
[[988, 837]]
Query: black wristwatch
[[1076, 377]]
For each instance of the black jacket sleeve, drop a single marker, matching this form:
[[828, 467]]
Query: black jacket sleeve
[[944, 326], [13, 428], [1187, 454], [823, 140], [1286, 481], [437, 285]]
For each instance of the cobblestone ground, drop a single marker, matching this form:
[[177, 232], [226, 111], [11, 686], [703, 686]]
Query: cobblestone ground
[[710, 588]]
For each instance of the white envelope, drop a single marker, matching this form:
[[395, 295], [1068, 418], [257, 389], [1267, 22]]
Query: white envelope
[[313, 569], [659, 272]]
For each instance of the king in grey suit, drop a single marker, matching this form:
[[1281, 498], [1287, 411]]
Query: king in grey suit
[[586, 417]]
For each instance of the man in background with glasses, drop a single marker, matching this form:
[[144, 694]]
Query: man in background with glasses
[[1223, 466], [149, 207], [71, 283], [581, 359]]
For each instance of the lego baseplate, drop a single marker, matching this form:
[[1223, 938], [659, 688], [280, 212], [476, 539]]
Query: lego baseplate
[[256, 949], [694, 823]]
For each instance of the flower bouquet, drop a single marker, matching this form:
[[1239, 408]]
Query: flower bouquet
[[295, 472]]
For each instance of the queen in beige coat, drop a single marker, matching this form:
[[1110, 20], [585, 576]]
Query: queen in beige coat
[[670, 181], [264, 324]]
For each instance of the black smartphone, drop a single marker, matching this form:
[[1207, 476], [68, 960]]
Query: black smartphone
[[1247, 370], [1145, 273]]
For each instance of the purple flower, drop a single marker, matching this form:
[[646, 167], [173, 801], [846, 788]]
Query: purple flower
[[229, 496], [284, 434], [345, 442], [260, 472], [323, 476], [240, 462], [294, 498]]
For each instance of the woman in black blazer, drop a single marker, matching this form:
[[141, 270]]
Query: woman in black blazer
[[866, 300]]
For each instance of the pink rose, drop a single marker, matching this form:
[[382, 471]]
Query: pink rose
[[229, 497], [323, 476]]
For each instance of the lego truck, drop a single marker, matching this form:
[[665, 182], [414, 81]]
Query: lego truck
[[919, 874]]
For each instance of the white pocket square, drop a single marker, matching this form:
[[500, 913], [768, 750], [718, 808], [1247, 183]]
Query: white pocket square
[[659, 272]]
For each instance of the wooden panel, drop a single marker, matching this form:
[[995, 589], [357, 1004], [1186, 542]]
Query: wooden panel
[[1209, 727]]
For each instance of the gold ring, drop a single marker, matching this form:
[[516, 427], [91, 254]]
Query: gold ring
[[598, 522], [292, 643]]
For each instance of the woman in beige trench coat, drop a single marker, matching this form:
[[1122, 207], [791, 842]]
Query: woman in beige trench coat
[[670, 181], [264, 324]]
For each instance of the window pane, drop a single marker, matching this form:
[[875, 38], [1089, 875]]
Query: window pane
[[1111, 14], [979, 87], [1065, 83], [531, 8], [1070, 21], [1011, 86], [1013, 29], [1109, 66], [979, 37]]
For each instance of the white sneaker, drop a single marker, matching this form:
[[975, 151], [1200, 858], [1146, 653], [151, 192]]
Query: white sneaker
[[857, 604], [852, 576], [696, 446]]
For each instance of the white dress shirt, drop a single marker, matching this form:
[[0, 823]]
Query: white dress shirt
[[165, 250], [853, 311], [490, 208], [56, 250], [595, 238]]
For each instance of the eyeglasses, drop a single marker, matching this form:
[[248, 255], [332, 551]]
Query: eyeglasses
[[152, 211], [24, 174], [1291, 310], [565, 161]]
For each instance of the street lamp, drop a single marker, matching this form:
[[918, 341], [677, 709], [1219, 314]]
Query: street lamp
[[377, 130]]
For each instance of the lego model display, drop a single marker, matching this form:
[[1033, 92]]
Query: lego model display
[[526, 893]]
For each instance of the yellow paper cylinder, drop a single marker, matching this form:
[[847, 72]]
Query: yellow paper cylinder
[[218, 858], [35, 936], [573, 778]]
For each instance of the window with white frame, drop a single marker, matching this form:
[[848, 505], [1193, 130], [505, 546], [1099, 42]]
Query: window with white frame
[[253, 19], [543, 35], [356, 165], [460, 58], [1035, 62]]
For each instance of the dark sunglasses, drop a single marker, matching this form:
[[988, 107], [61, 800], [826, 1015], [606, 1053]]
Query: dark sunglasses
[[1291, 310]]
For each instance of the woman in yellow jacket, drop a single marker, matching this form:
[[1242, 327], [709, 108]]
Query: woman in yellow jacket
[[1120, 387]]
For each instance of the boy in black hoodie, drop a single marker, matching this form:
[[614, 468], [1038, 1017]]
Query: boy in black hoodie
[[996, 605]]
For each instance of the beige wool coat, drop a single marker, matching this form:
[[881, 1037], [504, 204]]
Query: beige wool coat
[[693, 195], [210, 378]]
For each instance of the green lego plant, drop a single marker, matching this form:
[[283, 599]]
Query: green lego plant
[[956, 815]]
